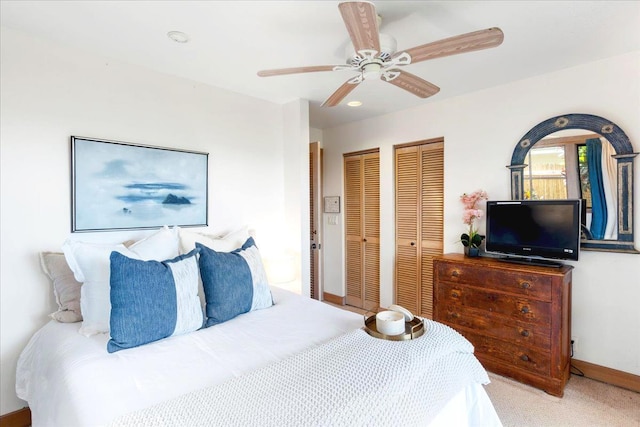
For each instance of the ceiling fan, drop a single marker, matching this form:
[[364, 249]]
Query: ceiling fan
[[376, 56]]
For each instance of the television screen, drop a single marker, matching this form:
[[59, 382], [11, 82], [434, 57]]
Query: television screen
[[534, 229]]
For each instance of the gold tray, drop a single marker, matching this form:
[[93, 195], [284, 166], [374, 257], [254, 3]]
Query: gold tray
[[412, 330]]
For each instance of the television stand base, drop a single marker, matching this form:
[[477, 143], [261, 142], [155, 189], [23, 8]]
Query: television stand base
[[532, 261]]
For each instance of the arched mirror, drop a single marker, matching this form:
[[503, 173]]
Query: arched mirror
[[581, 156]]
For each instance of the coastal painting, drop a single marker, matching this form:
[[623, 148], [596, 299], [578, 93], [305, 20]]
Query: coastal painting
[[119, 186]]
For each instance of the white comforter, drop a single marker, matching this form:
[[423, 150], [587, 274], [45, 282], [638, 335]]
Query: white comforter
[[354, 379], [71, 380]]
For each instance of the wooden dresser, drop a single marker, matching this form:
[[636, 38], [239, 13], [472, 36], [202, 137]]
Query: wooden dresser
[[518, 317]]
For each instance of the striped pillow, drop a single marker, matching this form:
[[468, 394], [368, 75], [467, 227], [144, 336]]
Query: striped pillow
[[234, 282], [152, 300]]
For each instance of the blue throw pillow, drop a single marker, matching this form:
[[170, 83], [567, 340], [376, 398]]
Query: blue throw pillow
[[234, 282], [151, 300]]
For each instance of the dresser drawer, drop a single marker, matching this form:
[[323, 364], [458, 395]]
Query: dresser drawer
[[528, 284], [532, 360], [506, 329], [507, 305], [516, 316]]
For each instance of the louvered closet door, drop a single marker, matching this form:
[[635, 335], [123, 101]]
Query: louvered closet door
[[353, 229], [432, 220], [407, 179], [362, 224], [419, 223], [371, 223]]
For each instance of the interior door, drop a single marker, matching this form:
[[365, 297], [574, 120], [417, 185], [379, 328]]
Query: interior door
[[419, 222], [315, 168], [362, 229], [407, 216]]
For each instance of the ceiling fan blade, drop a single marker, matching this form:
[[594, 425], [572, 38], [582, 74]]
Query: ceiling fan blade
[[339, 94], [362, 23], [414, 84], [477, 40], [296, 70]]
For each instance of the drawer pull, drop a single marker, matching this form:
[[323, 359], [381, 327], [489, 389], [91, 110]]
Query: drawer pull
[[524, 333], [524, 309], [454, 315], [455, 273], [524, 358], [525, 285], [455, 294]]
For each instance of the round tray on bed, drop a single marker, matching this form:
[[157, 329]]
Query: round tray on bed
[[412, 330]]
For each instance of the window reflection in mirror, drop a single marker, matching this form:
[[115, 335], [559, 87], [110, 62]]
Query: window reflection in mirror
[[558, 168], [545, 176]]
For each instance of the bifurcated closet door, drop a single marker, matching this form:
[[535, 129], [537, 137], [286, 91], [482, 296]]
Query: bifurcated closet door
[[362, 229], [419, 222]]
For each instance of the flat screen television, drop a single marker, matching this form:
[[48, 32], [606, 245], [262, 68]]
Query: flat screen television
[[534, 231]]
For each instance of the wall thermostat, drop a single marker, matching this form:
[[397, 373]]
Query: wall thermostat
[[332, 204]]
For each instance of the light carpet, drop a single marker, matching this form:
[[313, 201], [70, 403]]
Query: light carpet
[[586, 402]]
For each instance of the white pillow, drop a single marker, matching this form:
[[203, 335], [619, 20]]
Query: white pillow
[[227, 243], [91, 266], [162, 245]]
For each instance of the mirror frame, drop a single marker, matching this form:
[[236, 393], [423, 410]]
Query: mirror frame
[[624, 157]]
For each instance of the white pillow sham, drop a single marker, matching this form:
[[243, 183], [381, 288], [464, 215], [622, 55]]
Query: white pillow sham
[[226, 243], [91, 266]]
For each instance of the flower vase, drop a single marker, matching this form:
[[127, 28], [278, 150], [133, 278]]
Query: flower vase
[[471, 252]]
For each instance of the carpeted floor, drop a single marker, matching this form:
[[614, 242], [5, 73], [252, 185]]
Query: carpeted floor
[[586, 403]]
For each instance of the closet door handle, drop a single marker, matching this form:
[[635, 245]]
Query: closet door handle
[[364, 240], [413, 243]]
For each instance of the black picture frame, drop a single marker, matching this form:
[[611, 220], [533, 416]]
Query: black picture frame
[[124, 186]]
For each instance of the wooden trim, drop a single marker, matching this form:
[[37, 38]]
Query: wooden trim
[[361, 152], [19, 418], [333, 299], [614, 377], [422, 142]]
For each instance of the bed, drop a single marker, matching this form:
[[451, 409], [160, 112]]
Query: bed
[[296, 362]]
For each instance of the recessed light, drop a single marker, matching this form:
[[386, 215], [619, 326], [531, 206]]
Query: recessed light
[[354, 103], [178, 36]]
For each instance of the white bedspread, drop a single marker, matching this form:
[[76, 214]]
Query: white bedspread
[[354, 379], [70, 380]]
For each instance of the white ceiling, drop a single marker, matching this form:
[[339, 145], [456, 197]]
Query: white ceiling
[[231, 40]]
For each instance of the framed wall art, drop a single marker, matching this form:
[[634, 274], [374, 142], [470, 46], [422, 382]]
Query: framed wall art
[[120, 186]]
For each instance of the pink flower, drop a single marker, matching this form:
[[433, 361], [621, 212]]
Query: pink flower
[[471, 211], [471, 214], [469, 200]]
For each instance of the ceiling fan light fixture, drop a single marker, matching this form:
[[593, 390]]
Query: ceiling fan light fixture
[[371, 71]]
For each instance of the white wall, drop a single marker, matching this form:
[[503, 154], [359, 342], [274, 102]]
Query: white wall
[[480, 132], [296, 156], [49, 93]]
